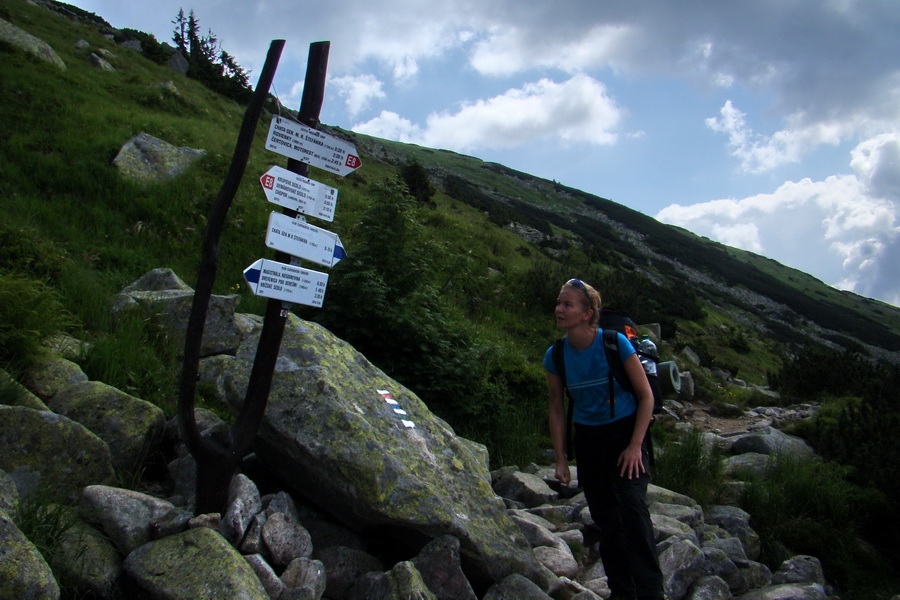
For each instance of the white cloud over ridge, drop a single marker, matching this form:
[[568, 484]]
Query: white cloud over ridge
[[852, 218], [574, 111]]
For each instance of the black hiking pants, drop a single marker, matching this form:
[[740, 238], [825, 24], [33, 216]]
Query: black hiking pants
[[618, 507]]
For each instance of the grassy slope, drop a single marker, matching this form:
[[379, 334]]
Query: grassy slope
[[58, 188]]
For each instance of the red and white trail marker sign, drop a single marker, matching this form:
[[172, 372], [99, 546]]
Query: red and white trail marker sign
[[312, 147], [301, 194]]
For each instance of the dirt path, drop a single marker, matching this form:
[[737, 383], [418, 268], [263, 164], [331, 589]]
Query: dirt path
[[704, 421]]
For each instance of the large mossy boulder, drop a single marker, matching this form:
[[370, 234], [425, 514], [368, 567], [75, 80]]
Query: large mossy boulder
[[198, 563], [47, 451], [24, 574], [359, 445], [130, 426]]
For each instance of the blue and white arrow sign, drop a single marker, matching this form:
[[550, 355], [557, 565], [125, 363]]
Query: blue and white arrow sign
[[298, 238], [288, 283]]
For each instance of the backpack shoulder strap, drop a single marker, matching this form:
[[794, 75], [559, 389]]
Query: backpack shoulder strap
[[559, 362]]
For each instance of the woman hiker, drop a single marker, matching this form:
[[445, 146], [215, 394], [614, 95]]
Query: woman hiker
[[609, 444]]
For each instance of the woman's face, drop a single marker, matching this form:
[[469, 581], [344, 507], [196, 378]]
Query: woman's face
[[570, 309]]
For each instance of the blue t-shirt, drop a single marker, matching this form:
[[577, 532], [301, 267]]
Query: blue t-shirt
[[587, 379]]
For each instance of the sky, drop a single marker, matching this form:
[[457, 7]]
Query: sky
[[767, 125]]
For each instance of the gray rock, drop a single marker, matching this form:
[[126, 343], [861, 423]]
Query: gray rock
[[147, 159], [50, 375], [24, 574], [9, 495], [21, 39], [166, 299], [558, 559], [178, 63], [736, 522], [46, 449], [682, 564], [129, 518], [198, 563], [243, 504], [753, 575], [666, 527], [286, 540], [526, 488], [402, 582], [439, 564], [515, 587], [267, 577], [750, 464], [328, 426], [772, 442], [100, 62], [304, 579], [691, 516], [799, 569], [709, 587], [719, 565], [343, 567], [88, 561], [787, 591], [131, 427], [16, 394]]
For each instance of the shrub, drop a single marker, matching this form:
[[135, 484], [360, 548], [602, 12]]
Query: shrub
[[689, 466], [29, 313], [809, 507]]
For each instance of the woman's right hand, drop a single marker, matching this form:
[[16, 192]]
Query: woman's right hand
[[562, 473]]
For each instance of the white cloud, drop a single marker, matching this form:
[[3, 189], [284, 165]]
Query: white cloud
[[843, 230], [574, 111], [509, 50], [758, 153], [389, 125], [358, 90]]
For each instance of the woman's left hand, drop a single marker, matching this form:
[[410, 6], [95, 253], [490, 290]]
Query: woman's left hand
[[631, 461]]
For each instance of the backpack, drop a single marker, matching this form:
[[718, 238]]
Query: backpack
[[612, 322]]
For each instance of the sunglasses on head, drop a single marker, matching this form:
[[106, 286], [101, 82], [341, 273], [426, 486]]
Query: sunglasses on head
[[579, 285]]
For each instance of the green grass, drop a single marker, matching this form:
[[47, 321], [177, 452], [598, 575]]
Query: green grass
[[809, 507]]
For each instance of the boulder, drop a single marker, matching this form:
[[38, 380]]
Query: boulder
[[131, 427], [24, 574], [130, 518], [52, 374], [736, 522], [438, 562], [21, 39], [682, 564], [332, 426], [46, 450], [403, 581], [161, 295], [197, 563], [147, 159], [771, 442], [9, 495], [87, 561]]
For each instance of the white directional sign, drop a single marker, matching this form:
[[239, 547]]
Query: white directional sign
[[287, 189], [311, 146], [288, 283], [298, 238]]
